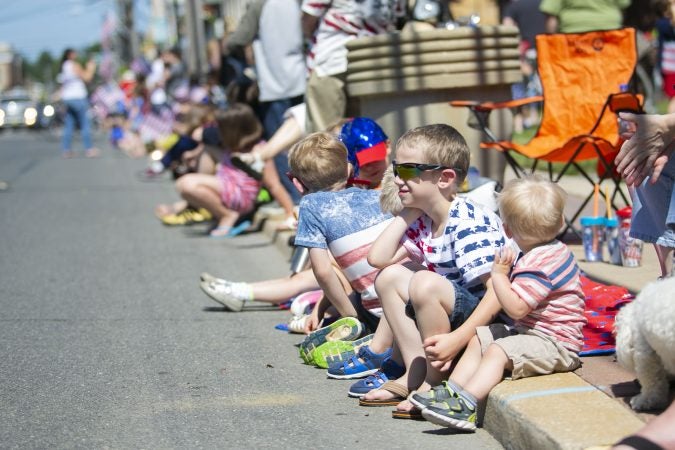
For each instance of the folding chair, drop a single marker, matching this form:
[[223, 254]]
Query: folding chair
[[579, 75]]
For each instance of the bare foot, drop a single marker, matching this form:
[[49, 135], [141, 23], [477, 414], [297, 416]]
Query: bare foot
[[380, 394], [68, 154], [92, 153], [163, 210], [405, 406]]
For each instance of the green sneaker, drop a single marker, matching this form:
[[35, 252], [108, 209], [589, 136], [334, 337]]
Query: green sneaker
[[437, 394], [344, 329], [455, 412], [329, 353]]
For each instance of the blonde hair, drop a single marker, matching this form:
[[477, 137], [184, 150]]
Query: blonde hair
[[439, 144], [320, 162], [390, 202], [532, 208]]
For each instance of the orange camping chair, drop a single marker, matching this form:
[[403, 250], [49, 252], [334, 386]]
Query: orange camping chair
[[579, 75]]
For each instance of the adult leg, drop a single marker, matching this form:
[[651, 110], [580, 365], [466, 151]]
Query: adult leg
[[659, 431], [326, 101], [281, 164], [273, 184], [664, 255], [273, 119], [82, 110], [68, 127], [392, 288]]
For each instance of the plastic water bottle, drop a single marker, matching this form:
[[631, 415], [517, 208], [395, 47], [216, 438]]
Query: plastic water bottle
[[625, 127]]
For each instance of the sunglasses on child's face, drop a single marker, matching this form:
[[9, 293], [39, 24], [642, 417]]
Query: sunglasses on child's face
[[408, 171]]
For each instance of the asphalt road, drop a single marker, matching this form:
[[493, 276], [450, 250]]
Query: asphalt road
[[106, 340]]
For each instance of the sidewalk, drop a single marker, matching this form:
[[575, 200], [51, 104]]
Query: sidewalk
[[580, 410]]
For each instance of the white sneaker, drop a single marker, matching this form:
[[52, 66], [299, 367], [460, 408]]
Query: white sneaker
[[205, 276], [297, 324], [223, 294]]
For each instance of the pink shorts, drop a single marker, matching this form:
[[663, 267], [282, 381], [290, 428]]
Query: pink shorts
[[238, 190]]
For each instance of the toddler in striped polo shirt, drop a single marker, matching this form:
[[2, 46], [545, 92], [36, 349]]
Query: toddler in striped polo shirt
[[541, 292]]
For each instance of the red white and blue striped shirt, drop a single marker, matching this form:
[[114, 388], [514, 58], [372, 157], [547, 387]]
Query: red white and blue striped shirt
[[547, 279]]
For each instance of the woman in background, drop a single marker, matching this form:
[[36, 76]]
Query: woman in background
[[74, 95]]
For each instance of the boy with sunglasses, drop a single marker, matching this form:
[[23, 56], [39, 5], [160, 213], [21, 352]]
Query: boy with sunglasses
[[457, 239]]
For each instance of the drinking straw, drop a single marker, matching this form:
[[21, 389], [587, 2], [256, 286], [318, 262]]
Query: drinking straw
[[608, 203], [596, 201]]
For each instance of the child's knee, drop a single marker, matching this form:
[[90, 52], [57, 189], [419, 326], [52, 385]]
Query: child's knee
[[385, 277], [427, 286], [185, 184], [493, 351]]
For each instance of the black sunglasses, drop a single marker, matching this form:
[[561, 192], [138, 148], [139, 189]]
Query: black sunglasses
[[408, 171]]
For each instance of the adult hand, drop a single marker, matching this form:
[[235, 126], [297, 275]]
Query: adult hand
[[646, 152], [441, 349]]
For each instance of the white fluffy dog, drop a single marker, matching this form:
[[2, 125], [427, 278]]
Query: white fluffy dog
[[645, 342]]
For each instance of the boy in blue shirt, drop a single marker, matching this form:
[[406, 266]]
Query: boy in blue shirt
[[338, 225]]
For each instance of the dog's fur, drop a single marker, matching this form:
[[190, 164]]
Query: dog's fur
[[645, 342]]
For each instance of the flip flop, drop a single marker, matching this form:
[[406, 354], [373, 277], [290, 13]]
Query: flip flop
[[226, 232], [413, 414], [400, 391]]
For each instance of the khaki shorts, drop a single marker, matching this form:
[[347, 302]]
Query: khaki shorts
[[531, 352], [326, 101]]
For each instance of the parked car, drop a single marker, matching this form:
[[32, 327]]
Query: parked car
[[18, 110]]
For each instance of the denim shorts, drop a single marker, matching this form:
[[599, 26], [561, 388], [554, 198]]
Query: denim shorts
[[654, 209], [465, 304]]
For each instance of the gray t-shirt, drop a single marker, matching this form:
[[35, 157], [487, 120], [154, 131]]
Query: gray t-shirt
[[273, 27]]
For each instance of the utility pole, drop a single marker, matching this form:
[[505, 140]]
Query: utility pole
[[197, 63], [127, 35]]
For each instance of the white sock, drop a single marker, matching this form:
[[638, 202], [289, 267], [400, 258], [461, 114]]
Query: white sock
[[243, 291]]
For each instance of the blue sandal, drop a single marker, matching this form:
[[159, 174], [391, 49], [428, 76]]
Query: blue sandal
[[389, 371], [364, 363], [225, 232]]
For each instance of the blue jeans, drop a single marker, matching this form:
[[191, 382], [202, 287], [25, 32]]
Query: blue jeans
[[465, 304], [654, 209], [76, 112], [272, 114]]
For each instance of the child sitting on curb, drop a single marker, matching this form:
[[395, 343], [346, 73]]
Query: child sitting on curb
[[456, 238], [231, 192], [335, 222], [368, 151], [542, 294]]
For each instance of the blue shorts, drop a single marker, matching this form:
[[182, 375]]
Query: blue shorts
[[465, 304], [654, 209]]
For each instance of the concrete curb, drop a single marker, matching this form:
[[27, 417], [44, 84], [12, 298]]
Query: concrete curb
[[559, 411]]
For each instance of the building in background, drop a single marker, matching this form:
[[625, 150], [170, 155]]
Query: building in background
[[10, 67]]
